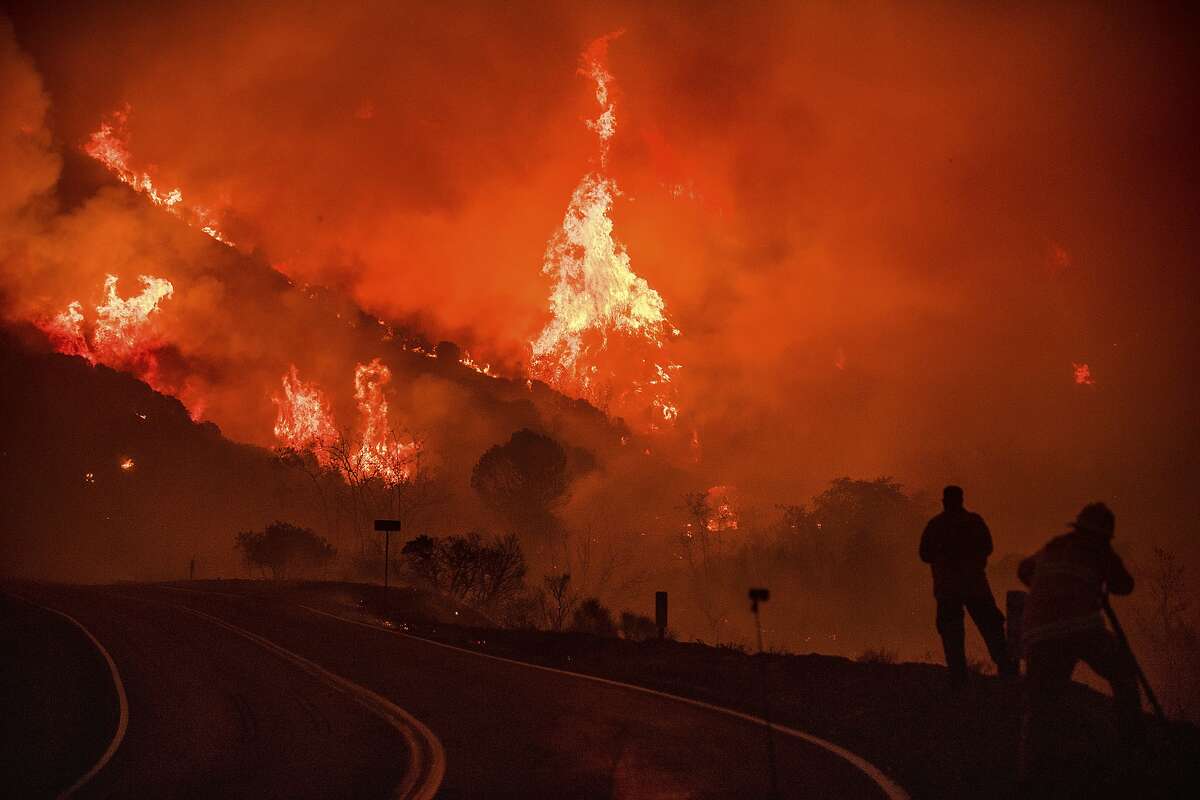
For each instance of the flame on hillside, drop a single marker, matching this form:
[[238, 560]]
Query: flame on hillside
[[605, 340], [380, 454], [121, 335], [304, 421], [722, 512], [109, 146]]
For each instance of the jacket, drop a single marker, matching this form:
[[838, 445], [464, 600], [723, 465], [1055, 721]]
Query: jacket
[[1066, 581], [956, 544]]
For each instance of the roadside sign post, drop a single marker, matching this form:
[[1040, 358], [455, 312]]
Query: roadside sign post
[[660, 613], [386, 527], [761, 596]]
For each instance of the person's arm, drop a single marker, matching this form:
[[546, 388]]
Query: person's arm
[[1116, 577], [1026, 569], [985, 538], [927, 551]]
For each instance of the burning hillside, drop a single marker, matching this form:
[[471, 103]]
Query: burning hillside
[[777, 245]]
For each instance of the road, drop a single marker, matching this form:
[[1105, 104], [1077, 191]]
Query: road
[[215, 714]]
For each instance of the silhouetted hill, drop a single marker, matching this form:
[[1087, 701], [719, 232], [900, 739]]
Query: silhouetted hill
[[70, 509]]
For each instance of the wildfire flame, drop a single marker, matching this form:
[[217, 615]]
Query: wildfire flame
[[1083, 374], [598, 298], [722, 514], [121, 335], [482, 369], [304, 421], [108, 145], [379, 454]]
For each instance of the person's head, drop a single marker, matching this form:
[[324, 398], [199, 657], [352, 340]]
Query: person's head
[[952, 498], [1097, 519]]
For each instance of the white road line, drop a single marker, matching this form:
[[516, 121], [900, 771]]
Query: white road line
[[888, 786], [122, 700], [428, 769]]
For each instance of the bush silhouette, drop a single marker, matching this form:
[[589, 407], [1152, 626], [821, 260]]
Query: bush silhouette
[[592, 617], [282, 548]]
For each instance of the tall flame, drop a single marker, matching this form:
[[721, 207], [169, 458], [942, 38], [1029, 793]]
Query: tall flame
[[598, 299], [379, 454], [722, 514], [304, 421], [108, 145]]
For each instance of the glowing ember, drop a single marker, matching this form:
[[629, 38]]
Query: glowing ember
[[722, 514], [304, 421], [379, 455], [108, 145], [89, 477], [1083, 374], [467, 361], [127, 464], [598, 299]]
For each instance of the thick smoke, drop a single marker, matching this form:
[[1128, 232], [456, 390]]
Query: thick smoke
[[887, 234]]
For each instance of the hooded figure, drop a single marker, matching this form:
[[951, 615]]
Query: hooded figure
[[956, 544], [1063, 625]]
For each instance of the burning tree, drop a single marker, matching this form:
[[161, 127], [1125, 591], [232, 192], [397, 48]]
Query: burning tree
[[355, 478]]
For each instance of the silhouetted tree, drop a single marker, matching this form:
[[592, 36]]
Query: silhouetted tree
[[558, 600], [483, 573], [524, 480], [423, 559], [448, 351], [1173, 632], [592, 617], [637, 627], [282, 547]]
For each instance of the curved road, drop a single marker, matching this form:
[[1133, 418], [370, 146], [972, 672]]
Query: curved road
[[214, 714]]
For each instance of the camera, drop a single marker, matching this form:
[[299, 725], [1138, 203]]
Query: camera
[[760, 595]]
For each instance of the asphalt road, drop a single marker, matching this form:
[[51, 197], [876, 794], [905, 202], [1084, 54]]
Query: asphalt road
[[212, 714]]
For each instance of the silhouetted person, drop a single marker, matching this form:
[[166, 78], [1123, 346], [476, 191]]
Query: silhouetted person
[[1063, 625], [957, 543]]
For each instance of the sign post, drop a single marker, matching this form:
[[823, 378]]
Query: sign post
[[386, 527], [660, 613]]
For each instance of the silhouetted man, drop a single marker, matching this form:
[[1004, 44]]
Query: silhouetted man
[[957, 543], [1063, 625]]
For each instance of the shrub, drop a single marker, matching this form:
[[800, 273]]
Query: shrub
[[592, 617], [637, 627], [282, 547], [877, 656], [484, 573]]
